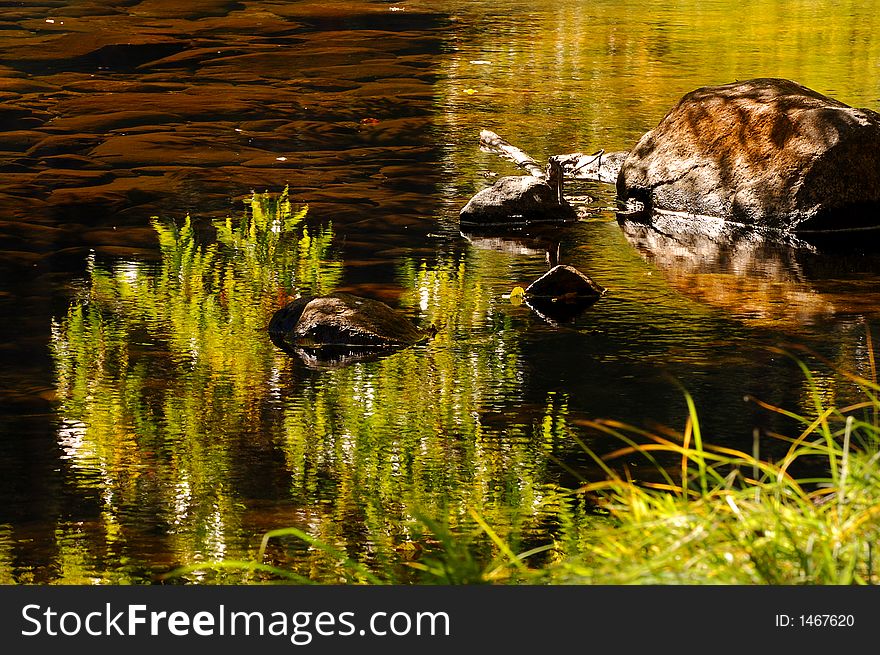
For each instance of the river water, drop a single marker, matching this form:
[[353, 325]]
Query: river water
[[146, 421]]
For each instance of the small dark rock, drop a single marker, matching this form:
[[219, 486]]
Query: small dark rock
[[341, 321], [562, 293], [517, 199], [564, 282]]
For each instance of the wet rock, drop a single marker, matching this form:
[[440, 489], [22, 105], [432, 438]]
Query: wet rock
[[60, 179], [562, 293], [516, 199], [121, 49], [113, 197], [764, 152], [250, 21], [22, 207], [71, 161], [95, 85], [190, 58], [341, 320], [58, 144], [17, 235], [19, 86], [19, 140], [21, 184], [207, 104], [191, 9], [104, 122], [564, 282], [14, 117]]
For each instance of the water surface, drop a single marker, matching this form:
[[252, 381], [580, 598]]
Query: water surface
[[147, 421]]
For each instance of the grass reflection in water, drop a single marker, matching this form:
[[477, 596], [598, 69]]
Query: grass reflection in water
[[187, 423]]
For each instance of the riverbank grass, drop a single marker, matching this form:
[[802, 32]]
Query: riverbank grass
[[723, 516]]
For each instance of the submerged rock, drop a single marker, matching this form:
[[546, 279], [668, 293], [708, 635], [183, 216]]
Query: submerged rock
[[766, 152], [341, 323], [517, 199]]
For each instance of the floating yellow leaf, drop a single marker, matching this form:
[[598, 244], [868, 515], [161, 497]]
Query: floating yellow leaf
[[517, 295]]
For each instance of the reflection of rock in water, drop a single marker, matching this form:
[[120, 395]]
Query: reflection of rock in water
[[559, 311], [530, 241], [327, 358], [768, 278]]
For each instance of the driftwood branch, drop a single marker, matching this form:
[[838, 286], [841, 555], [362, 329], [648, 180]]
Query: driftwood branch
[[539, 195], [575, 162], [600, 166], [554, 174], [491, 142]]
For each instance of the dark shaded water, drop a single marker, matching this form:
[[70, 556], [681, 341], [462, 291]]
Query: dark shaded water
[[148, 422]]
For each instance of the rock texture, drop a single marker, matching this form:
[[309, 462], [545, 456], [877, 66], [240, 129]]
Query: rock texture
[[516, 199], [766, 152], [341, 320], [562, 293], [564, 282]]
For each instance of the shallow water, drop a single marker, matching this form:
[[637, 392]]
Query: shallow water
[[147, 422]]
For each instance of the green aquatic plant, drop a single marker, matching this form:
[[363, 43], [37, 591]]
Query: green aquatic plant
[[451, 558], [702, 514]]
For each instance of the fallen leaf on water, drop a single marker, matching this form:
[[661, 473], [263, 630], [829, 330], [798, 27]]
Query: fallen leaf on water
[[369, 121], [470, 91], [517, 295]]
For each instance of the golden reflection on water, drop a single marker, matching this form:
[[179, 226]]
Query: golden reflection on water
[[184, 434], [763, 280]]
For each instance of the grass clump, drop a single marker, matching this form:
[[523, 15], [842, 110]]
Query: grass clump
[[723, 516]]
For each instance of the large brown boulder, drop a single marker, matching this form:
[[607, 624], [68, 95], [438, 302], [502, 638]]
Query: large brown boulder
[[766, 152]]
